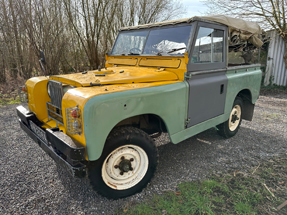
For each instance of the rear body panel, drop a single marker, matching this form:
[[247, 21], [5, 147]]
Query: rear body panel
[[237, 80]]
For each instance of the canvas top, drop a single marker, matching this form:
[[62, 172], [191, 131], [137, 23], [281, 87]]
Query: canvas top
[[246, 30]]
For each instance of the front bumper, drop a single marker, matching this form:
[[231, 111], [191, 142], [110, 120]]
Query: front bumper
[[70, 156]]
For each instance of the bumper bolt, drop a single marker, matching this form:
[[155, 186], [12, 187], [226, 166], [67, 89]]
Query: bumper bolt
[[131, 159], [121, 173], [123, 157], [116, 166]]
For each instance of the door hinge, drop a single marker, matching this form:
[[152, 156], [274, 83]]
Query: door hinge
[[187, 75], [187, 122]]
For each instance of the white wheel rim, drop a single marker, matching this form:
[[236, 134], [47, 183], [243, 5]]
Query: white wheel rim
[[234, 118], [115, 177]]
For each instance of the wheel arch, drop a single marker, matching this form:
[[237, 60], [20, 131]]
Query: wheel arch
[[150, 123], [102, 113], [248, 106]]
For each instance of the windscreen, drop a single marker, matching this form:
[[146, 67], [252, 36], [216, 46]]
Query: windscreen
[[130, 42], [168, 40]]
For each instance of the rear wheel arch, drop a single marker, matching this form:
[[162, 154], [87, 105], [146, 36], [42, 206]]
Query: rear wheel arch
[[245, 94], [248, 106]]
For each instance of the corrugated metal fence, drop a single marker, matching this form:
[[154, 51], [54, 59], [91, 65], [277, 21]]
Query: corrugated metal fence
[[276, 72]]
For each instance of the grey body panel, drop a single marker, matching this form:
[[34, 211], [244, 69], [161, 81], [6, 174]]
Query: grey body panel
[[207, 94]]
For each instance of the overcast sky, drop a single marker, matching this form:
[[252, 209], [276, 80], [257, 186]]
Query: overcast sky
[[193, 8]]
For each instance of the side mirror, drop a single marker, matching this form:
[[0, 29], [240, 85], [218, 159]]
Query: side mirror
[[42, 57]]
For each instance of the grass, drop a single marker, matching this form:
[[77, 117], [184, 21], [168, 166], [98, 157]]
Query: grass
[[249, 192], [8, 100]]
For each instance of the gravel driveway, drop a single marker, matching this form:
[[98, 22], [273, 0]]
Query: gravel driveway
[[31, 183]]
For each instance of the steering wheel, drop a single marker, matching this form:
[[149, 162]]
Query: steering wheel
[[135, 51]]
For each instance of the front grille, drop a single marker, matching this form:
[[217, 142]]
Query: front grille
[[55, 107], [55, 93], [55, 113]]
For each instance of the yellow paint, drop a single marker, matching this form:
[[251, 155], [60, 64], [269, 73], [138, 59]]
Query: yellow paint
[[104, 72], [172, 64], [67, 80], [38, 96], [167, 63], [186, 58], [70, 100], [123, 61], [146, 70], [83, 94], [119, 76]]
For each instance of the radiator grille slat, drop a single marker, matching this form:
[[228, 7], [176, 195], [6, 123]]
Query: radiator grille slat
[[55, 113], [56, 93], [55, 107]]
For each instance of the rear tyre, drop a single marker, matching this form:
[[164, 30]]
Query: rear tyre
[[230, 127], [127, 164]]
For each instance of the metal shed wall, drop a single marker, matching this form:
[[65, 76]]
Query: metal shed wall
[[276, 72]]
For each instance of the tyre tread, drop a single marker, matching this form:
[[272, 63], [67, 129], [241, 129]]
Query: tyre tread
[[223, 128], [116, 133]]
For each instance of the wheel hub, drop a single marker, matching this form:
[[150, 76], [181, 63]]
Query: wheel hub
[[125, 165], [234, 118]]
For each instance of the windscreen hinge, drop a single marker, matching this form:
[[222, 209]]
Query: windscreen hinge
[[187, 121], [187, 75]]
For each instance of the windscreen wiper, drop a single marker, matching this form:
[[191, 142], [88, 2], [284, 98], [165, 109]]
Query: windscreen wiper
[[174, 50], [131, 53]]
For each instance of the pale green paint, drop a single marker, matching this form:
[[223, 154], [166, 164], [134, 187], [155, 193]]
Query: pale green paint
[[237, 80], [103, 112], [189, 132]]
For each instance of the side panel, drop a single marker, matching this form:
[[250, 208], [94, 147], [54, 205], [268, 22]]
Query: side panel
[[207, 94], [238, 80], [101, 113]]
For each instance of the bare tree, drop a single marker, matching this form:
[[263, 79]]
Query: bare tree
[[74, 34], [45, 30]]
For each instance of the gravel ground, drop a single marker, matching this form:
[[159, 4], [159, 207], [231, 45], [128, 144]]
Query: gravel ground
[[31, 183]]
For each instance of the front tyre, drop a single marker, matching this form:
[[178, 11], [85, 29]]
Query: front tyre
[[127, 164], [230, 127]]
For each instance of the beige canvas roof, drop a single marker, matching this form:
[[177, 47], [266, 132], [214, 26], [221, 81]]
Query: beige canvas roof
[[245, 30]]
